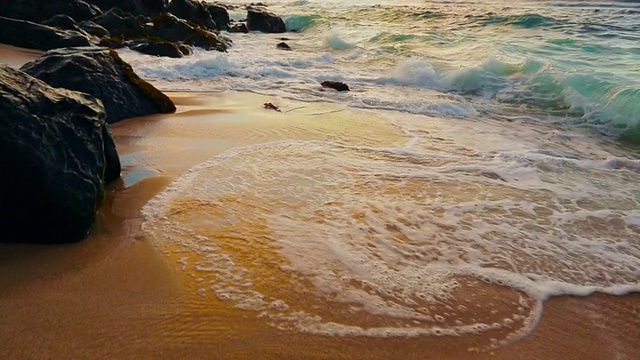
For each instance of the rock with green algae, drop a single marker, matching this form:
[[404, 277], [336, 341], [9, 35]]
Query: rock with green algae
[[58, 154], [103, 74]]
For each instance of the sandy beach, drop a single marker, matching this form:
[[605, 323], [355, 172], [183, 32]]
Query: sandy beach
[[118, 295]]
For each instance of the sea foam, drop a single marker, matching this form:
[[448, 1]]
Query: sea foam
[[397, 234]]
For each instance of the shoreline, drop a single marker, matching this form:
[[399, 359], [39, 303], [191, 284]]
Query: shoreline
[[117, 288]]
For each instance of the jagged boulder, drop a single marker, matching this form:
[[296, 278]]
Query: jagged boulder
[[170, 28], [193, 11], [63, 22], [101, 73], [121, 24], [58, 154], [260, 20], [94, 29], [38, 10], [36, 36], [220, 15]]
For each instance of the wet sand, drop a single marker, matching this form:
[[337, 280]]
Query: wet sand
[[16, 57], [117, 296]]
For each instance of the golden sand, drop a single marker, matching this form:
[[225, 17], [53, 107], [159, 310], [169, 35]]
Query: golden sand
[[118, 296]]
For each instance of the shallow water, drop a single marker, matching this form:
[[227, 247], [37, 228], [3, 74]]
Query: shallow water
[[484, 175], [398, 225]]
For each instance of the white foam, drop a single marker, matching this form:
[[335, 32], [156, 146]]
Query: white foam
[[335, 42], [617, 163], [414, 73], [389, 231]]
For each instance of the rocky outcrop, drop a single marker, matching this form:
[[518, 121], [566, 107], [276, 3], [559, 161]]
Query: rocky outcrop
[[121, 24], [35, 36], [170, 28], [193, 11], [102, 74], [135, 7], [57, 156], [158, 29], [261, 20], [94, 29], [63, 22], [220, 15], [38, 10]]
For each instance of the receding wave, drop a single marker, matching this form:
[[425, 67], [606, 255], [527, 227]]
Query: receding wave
[[346, 240]]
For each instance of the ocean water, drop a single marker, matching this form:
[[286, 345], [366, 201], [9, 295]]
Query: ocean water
[[507, 161]]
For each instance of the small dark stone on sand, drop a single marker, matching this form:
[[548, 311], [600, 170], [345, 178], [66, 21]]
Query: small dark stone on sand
[[270, 106], [340, 86], [284, 46]]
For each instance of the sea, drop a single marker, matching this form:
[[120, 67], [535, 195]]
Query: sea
[[495, 161]]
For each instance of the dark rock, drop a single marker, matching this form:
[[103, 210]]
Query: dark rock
[[261, 20], [94, 29], [335, 85], [208, 41], [170, 28], [57, 155], [63, 22], [136, 7], [220, 15], [101, 73], [38, 11], [270, 106], [239, 28], [120, 23], [185, 49], [113, 167], [259, 5], [113, 42], [35, 36], [153, 7], [143, 19], [283, 46], [157, 48], [194, 12]]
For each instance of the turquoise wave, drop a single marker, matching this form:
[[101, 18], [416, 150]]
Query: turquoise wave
[[527, 21], [598, 99], [300, 23]]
